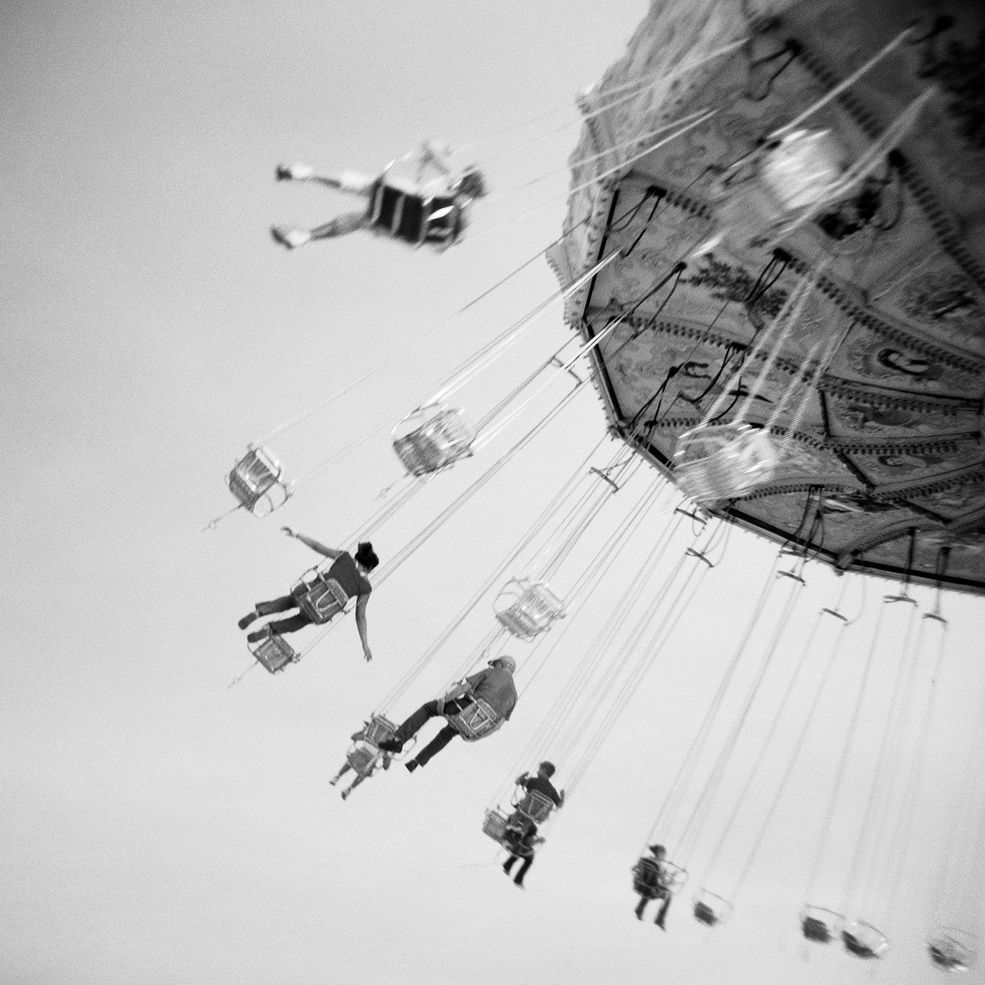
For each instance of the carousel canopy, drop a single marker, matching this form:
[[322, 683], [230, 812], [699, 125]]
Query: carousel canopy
[[843, 167]]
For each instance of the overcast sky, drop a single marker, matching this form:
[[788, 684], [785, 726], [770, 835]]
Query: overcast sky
[[160, 826]]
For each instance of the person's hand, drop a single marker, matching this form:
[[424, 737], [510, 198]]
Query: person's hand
[[367, 655], [289, 531]]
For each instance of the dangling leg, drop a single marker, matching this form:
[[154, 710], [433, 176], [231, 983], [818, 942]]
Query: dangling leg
[[282, 604], [351, 182], [662, 913], [640, 907], [527, 862], [410, 727], [432, 748], [282, 626], [352, 786], [293, 236], [338, 776]]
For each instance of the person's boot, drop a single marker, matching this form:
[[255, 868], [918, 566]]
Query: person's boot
[[290, 237], [247, 619], [293, 172]]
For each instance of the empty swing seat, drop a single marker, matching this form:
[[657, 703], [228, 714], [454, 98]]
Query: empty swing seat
[[800, 172], [319, 597], [803, 169], [711, 909], [255, 480], [864, 941], [475, 720], [527, 608], [819, 924], [723, 461], [494, 824], [274, 652], [432, 438], [953, 950]]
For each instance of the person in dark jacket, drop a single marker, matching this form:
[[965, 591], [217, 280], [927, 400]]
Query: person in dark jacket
[[652, 881], [521, 829], [348, 573], [494, 686]]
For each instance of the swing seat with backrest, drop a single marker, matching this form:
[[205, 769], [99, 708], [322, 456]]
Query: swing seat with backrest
[[723, 461], [711, 909], [364, 753], [274, 652], [472, 718], [819, 924], [410, 215], [863, 940], [431, 438], [952, 950], [255, 480], [319, 597], [527, 608]]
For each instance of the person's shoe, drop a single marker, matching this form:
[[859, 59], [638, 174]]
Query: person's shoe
[[261, 634], [658, 922], [391, 745], [345, 794], [333, 781], [518, 884], [290, 237], [247, 619], [412, 765], [293, 172]]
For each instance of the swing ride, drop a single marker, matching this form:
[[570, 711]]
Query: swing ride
[[784, 311]]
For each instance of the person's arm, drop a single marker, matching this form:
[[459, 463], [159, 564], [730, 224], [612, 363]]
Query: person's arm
[[361, 626], [330, 552], [521, 780]]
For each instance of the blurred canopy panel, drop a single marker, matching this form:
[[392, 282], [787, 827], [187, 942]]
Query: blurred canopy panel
[[866, 208]]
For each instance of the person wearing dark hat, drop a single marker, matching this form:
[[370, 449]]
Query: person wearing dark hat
[[348, 571], [494, 686], [521, 828], [652, 881]]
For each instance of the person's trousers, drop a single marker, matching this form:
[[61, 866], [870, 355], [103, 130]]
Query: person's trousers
[[522, 871], [412, 725], [283, 604]]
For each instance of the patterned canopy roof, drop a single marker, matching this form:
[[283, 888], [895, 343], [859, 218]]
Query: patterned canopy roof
[[880, 426]]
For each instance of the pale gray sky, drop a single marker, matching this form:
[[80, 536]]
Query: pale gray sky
[[160, 827]]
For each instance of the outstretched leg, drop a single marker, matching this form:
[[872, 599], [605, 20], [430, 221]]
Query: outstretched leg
[[434, 747], [351, 182], [338, 776], [352, 786], [292, 237], [640, 907]]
